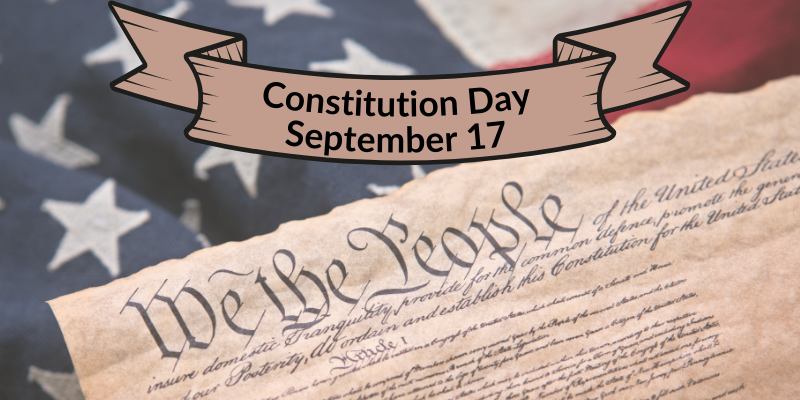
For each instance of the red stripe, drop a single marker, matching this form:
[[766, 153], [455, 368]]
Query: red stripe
[[724, 46]]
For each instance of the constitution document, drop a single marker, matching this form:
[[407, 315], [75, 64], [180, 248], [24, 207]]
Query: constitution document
[[660, 265]]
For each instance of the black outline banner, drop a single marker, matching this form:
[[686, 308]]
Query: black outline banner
[[596, 70]]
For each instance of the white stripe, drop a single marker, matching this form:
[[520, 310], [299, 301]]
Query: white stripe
[[493, 32]]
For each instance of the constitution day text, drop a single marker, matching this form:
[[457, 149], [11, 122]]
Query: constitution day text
[[400, 119]]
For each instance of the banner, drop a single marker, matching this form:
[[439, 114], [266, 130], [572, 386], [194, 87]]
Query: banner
[[400, 119]]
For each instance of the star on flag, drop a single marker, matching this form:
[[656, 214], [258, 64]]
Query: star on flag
[[276, 10], [360, 61], [120, 49], [94, 225], [46, 139]]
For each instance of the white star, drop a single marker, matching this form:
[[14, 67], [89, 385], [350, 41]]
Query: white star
[[120, 50], [59, 385], [95, 225], [245, 164], [192, 218], [360, 61], [46, 139], [276, 10], [416, 172]]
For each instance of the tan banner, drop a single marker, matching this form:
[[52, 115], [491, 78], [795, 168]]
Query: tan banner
[[400, 119]]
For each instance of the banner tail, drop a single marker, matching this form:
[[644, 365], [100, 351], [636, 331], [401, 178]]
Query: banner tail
[[161, 43], [637, 45]]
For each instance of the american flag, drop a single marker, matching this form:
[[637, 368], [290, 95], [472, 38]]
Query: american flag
[[95, 185]]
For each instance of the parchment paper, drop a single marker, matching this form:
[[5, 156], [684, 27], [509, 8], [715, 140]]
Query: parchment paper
[[660, 265]]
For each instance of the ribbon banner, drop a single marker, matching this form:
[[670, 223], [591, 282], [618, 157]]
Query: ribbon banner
[[400, 119]]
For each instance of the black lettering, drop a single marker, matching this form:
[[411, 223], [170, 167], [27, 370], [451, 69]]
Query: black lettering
[[266, 94], [337, 289], [295, 133], [504, 103], [424, 263], [365, 138], [328, 136], [453, 256], [229, 318], [410, 137], [450, 137], [311, 97], [452, 101], [387, 241], [390, 140], [289, 101], [486, 93], [498, 249], [334, 108], [313, 135], [432, 102], [434, 138], [191, 339]]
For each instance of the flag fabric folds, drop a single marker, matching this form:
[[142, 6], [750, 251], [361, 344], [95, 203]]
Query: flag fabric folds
[[95, 185]]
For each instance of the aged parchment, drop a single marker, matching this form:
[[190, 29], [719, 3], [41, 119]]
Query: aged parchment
[[661, 265]]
